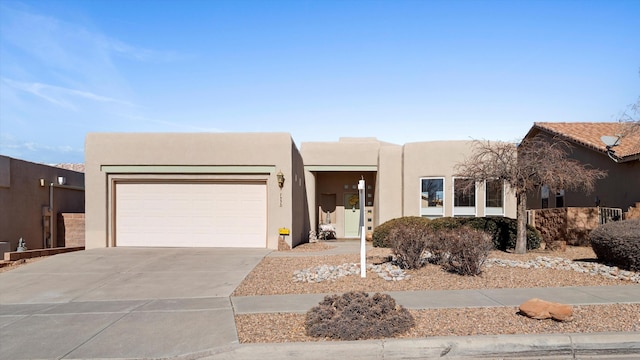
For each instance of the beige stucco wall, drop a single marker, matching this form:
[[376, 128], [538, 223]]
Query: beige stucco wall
[[620, 189], [389, 187], [22, 200], [438, 159], [345, 152], [239, 151]]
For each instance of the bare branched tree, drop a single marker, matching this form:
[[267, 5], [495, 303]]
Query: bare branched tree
[[630, 119], [530, 165]]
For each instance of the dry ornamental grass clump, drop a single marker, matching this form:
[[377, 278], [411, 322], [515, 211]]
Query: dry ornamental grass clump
[[462, 250], [358, 316]]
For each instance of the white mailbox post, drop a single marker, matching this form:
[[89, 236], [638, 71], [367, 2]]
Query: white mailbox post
[[363, 243]]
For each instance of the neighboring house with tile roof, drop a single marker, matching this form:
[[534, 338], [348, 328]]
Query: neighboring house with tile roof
[[621, 187]]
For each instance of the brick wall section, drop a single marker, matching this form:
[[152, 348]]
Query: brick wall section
[[28, 254], [566, 224], [70, 230]]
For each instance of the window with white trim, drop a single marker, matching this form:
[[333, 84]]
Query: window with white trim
[[494, 198], [432, 197], [464, 197]]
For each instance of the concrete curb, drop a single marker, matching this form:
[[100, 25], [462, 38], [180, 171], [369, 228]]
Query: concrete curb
[[550, 346]]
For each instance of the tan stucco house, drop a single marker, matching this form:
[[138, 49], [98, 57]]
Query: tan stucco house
[[260, 190], [621, 187]]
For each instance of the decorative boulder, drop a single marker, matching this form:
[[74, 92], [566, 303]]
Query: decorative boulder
[[541, 309]]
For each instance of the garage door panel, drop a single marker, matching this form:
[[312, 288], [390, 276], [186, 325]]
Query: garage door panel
[[191, 215]]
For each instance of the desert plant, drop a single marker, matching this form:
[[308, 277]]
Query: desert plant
[[381, 232], [618, 243], [357, 316], [408, 244], [467, 249]]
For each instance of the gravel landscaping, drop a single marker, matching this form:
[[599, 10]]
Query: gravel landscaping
[[539, 268], [269, 328], [275, 275]]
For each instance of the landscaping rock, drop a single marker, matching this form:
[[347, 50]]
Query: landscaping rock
[[541, 309]]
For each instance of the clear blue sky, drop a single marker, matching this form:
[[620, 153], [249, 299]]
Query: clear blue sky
[[401, 71]]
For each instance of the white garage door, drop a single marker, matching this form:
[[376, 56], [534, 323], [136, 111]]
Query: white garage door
[[191, 215]]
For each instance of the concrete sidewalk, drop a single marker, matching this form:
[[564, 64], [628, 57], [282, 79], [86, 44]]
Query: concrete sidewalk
[[435, 299]]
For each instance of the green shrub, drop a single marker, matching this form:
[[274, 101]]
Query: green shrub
[[447, 223], [534, 238], [381, 232], [618, 243], [503, 230], [466, 249], [408, 244], [358, 316]]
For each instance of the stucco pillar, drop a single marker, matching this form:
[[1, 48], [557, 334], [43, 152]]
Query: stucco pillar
[[310, 183]]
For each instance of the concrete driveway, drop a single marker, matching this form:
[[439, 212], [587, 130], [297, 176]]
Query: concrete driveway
[[122, 303]]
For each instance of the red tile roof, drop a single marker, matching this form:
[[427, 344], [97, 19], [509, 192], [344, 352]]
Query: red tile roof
[[588, 135]]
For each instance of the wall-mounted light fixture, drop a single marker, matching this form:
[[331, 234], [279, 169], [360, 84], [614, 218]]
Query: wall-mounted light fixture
[[280, 177], [62, 180], [42, 182]]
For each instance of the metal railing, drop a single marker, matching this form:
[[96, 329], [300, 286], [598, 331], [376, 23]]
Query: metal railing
[[609, 214]]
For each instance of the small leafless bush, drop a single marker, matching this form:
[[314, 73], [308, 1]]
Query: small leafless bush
[[358, 316], [467, 249], [408, 244], [439, 246]]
